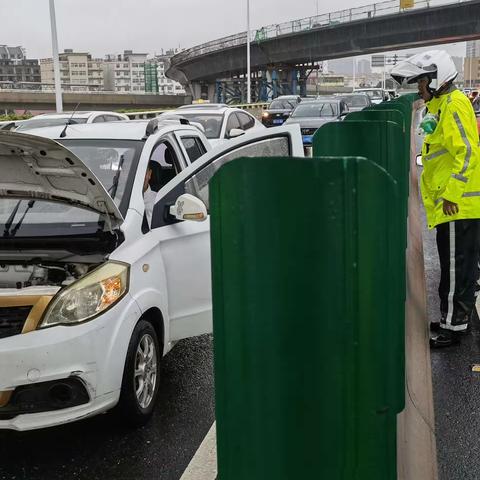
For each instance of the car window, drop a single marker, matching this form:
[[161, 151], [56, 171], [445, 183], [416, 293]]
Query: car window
[[315, 109], [48, 122], [99, 119], [112, 161], [272, 147], [164, 165], [194, 147], [232, 122], [246, 121], [356, 101], [212, 123], [112, 118], [282, 105]]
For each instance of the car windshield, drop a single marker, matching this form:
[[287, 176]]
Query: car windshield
[[212, 123], [373, 93], [48, 122], [45, 218], [356, 101], [282, 105], [316, 109]]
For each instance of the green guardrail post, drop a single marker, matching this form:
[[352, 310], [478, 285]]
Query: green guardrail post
[[301, 266]]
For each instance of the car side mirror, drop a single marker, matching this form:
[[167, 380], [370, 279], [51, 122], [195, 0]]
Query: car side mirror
[[419, 160], [188, 207], [235, 132]]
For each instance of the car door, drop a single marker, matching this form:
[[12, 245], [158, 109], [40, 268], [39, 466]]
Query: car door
[[185, 245]]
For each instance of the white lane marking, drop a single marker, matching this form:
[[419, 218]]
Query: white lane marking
[[203, 465]]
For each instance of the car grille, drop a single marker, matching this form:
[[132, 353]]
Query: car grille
[[12, 320], [308, 131]]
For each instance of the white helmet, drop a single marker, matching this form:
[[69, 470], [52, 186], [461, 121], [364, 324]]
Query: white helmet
[[434, 64]]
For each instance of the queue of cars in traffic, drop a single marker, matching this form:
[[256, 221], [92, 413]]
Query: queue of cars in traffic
[[310, 113]]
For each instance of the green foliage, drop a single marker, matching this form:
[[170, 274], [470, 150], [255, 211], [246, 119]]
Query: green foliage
[[11, 117]]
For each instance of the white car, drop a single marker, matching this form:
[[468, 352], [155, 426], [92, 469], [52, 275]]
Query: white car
[[58, 119], [220, 122], [377, 95], [91, 297]]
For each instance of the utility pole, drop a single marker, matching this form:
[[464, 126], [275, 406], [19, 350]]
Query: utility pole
[[56, 63], [354, 71], [249, 81]]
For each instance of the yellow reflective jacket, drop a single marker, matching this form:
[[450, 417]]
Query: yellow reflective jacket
[[451, 160]]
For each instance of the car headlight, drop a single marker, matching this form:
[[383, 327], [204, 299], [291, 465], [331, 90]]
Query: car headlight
[[265, 114], [88, 297]]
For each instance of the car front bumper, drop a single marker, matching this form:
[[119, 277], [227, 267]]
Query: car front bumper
[[88, 354]]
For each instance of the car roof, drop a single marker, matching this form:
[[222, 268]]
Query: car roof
[[354, 94], [327, 98], [127, 130], [206, 111], [202, 105], [217, 110], [82, 114]]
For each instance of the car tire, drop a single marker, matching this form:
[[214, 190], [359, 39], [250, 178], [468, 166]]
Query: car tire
[[140, 382]]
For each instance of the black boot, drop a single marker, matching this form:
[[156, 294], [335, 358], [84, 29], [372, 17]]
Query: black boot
[[444, 338]]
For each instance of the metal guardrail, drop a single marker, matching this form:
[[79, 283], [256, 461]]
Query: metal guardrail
[[373, 10]]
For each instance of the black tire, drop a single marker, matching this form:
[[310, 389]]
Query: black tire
[[129, 409]]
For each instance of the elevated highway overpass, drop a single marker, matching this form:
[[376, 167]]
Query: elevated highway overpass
[[293, 46]]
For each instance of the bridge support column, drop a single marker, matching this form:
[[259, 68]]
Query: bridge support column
[[203, 91]]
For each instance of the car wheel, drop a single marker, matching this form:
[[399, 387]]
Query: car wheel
[[140, 381]]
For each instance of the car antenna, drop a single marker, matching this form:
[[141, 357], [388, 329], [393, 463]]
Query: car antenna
[[64, 131]]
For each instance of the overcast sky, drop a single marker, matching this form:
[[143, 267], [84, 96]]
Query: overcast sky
[[147, 26]]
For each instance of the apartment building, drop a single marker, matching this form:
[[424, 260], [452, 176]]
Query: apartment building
[[125, 72], [78, 72], [16, 71]]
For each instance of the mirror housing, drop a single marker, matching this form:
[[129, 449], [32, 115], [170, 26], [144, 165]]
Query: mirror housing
[[188, 207], [235, 132]]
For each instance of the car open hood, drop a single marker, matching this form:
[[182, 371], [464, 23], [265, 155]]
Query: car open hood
[[38, 168]]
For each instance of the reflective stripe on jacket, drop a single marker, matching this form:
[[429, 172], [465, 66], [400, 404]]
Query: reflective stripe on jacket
[[451, 157]]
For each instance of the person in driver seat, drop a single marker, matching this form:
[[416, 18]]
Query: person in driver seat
[[149, 195]]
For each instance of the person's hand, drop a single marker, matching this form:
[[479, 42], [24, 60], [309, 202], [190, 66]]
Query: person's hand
[[450, 208]]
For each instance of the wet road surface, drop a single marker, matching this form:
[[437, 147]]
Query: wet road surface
[[456, 389], [98, 448]]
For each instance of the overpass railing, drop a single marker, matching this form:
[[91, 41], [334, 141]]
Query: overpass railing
[[366, 12]]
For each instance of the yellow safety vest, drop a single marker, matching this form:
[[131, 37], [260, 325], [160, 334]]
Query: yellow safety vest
[[451, 160]]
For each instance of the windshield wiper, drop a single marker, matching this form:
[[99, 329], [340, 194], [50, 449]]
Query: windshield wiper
[[113, 189], [9, 222], [31, 203]]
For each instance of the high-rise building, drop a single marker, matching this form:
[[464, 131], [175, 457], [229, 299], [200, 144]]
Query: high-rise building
[[16, 71], [471, 71], [473, 48], [78, 72], [167, 86], [363, 67], [343, 66], [125, 72]]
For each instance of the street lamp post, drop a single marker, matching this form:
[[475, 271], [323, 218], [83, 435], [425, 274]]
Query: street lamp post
[[56, 63], [249, 82]]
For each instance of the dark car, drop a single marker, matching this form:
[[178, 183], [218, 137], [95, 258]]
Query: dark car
[[356, 101], [279, 110], [312, 115]]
